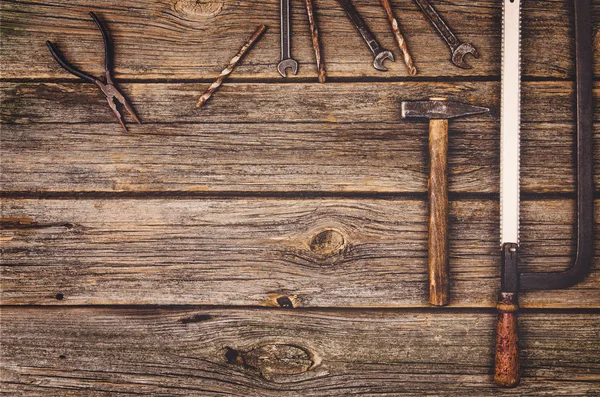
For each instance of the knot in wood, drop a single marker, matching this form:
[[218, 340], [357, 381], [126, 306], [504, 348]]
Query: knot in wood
[[198, 9], [272, 361], [328, 242]]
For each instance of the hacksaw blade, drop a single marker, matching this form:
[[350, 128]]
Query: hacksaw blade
[[510, 124]]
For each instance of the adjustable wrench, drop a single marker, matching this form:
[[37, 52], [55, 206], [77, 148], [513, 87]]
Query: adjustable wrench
[[459, 49], [286, 41], [380, 54]]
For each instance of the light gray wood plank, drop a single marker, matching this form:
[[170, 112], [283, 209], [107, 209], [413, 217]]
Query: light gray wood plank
[[235, 251], [338, 138], [200, 38], [214, 352]]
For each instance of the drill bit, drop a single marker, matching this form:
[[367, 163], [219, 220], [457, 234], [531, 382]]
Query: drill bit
[[412, 70], [314, 30], [232, 64]]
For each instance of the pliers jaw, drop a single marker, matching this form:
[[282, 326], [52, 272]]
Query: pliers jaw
[[109, 89], [114, 98]]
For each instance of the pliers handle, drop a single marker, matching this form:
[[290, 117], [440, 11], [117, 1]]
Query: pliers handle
[[107, 54]]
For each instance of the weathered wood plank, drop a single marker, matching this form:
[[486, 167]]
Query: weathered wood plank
[[316, 252], [341, 137], [66, 103], [200, 38], [83, 351]]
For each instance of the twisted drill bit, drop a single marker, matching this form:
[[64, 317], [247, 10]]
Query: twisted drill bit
[[314, 30], [399, 38], [232, 64]]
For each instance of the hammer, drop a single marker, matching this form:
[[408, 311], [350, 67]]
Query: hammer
[[438, 111]]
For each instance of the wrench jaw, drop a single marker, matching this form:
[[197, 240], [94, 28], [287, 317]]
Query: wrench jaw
[[287, 64], [380, 58], [459, 54]]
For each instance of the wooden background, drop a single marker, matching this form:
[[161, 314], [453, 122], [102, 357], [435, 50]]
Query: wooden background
[[274, 242]]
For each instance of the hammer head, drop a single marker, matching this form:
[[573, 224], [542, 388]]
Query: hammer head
[[439, 109]]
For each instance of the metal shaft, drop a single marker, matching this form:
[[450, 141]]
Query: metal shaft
[[286, 40], [438, 23], [458, 49], [232, 64], [408, 60], [380, 54], [286, 62], [361, 26], [314, 32]]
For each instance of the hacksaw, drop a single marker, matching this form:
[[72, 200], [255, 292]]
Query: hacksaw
[[507, 365]]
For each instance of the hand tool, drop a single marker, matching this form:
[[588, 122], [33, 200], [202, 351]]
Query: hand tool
[[380, 54], [314, 32], [438, 111], [408, 61], [459, 50], [507, 364], [232, 64], [109, 89], [287, 61]]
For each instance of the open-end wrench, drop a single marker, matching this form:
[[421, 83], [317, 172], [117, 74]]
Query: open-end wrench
[[459, 50], [380, 54], [286, 41]]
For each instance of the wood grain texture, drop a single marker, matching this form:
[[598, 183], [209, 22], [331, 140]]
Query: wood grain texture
[[250, 138], [199, 38], [309, 252], [214, 352], [171, 244], [437, 233]]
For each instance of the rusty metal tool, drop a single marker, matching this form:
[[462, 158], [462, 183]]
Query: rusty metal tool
[[286, 62], [438, 111], [109, 89], [314, 33], [380, 54], [408, 60], [507, 363], [232, 64], [459, 50]]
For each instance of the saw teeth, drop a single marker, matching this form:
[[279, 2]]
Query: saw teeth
[[503, 107]]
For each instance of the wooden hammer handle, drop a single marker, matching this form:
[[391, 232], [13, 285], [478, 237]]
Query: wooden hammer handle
[[438, 212], [507, 368]]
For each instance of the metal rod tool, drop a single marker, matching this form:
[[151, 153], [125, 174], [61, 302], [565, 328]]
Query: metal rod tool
[[408, 60], [507, 365], [459, 50], [314, 33], [438, 111], [232, 65], [286, 62], [380, 54]]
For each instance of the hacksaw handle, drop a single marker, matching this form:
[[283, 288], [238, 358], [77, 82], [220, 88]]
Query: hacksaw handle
[[508, 367], [438, 212]]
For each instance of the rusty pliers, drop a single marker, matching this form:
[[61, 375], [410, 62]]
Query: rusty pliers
[[109, 89]]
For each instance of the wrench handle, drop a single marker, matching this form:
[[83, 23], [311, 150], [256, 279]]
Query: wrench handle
[[507, 366], [438, 23], [360, 25], [438, 213], [286, 30]]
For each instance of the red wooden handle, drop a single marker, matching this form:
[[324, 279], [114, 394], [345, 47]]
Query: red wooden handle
[[507, 370]]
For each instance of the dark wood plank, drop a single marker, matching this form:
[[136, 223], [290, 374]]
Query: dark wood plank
[[337, 138], [214, 352], [201, 37], [314, 252], [66, 103]]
